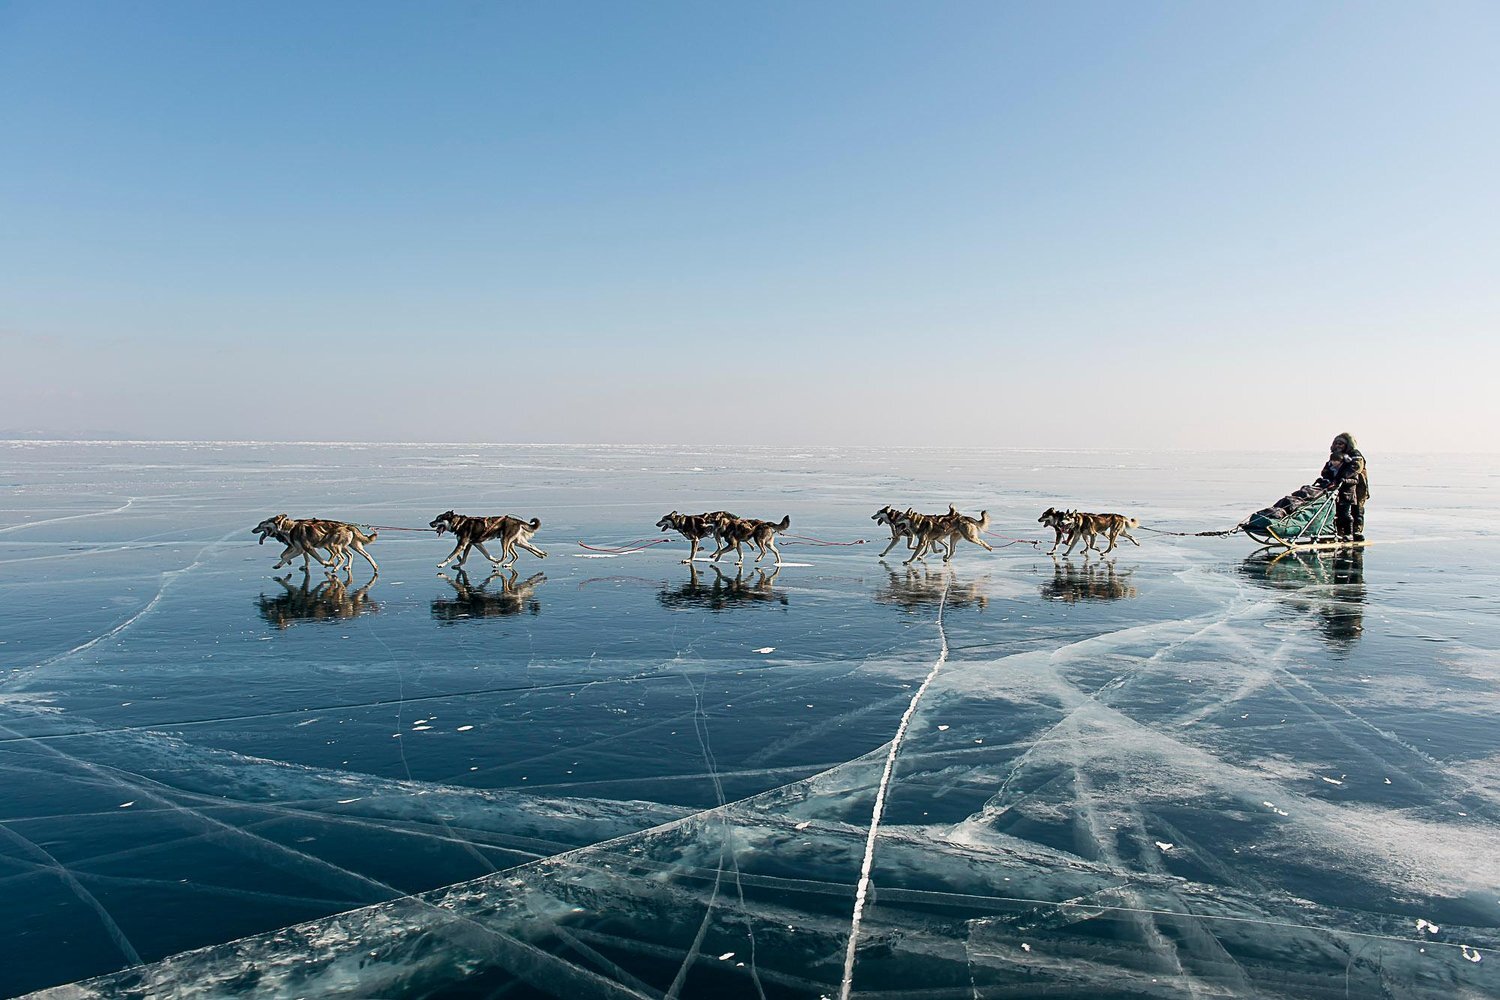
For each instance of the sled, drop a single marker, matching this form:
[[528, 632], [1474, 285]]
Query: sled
[[1310, 526]]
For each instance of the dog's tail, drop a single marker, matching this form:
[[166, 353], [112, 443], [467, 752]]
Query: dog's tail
[[361, 537], [1131, 522], [784, 523], [535, 523], [984, 520]]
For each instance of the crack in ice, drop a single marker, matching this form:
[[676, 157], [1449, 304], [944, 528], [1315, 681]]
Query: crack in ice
[[862, 892]]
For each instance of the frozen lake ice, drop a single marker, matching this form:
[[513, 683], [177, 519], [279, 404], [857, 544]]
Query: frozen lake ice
[[1187, 771]]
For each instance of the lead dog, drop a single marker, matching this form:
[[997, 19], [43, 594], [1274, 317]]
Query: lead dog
[[309, 534], [736, 531], [696, 527], [473, 532]]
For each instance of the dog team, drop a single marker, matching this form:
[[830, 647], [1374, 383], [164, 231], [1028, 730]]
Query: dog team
[[924, 534]]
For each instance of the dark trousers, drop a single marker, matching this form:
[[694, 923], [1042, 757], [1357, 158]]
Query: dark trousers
[[1349, 517]]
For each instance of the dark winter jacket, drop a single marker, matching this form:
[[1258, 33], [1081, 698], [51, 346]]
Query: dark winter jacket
[[1347, 474]]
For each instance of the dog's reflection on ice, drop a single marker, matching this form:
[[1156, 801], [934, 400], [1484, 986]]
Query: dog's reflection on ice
[[1091, 582], [471, 601], [330, 600], [747, 586], [921, 589]]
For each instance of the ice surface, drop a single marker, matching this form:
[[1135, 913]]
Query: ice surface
[[1187, 772]]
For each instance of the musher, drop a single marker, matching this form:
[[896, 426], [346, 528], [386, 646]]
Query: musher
[[1345, 471]]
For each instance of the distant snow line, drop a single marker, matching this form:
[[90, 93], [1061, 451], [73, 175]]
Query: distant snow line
[[863, 890]]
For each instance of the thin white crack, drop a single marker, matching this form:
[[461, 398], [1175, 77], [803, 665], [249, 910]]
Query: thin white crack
[[863, 891]]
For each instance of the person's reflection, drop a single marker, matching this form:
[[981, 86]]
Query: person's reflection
[[1091, 582], [470, 601], [1330, 584], [922, 589], [330, 600], [747, 586]]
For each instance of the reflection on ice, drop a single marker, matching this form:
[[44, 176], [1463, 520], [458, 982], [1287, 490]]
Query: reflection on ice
[[923, 589], [329, 600], [1329, 583], [479, 601], [1090, 582], [721, 592]]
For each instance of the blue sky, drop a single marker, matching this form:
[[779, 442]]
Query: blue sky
[[1119, 225]]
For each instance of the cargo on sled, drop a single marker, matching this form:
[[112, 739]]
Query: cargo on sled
[[1301, 519]]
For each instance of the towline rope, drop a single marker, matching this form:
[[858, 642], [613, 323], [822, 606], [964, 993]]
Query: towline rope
[[808, 540], [1013, 541], [1193, 534], [390, 527], [636, 546]]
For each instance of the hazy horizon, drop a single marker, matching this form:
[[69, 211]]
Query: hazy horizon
[[1316, 455], [1160, 226]]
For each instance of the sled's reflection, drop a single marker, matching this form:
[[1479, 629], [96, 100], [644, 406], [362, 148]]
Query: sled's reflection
[[330, 600], [922, 589], [746, 587], [1098, 581], [471, 601], [1329, 583]]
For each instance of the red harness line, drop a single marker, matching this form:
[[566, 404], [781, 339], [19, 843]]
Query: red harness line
[[1013, 541], [635, 546]]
